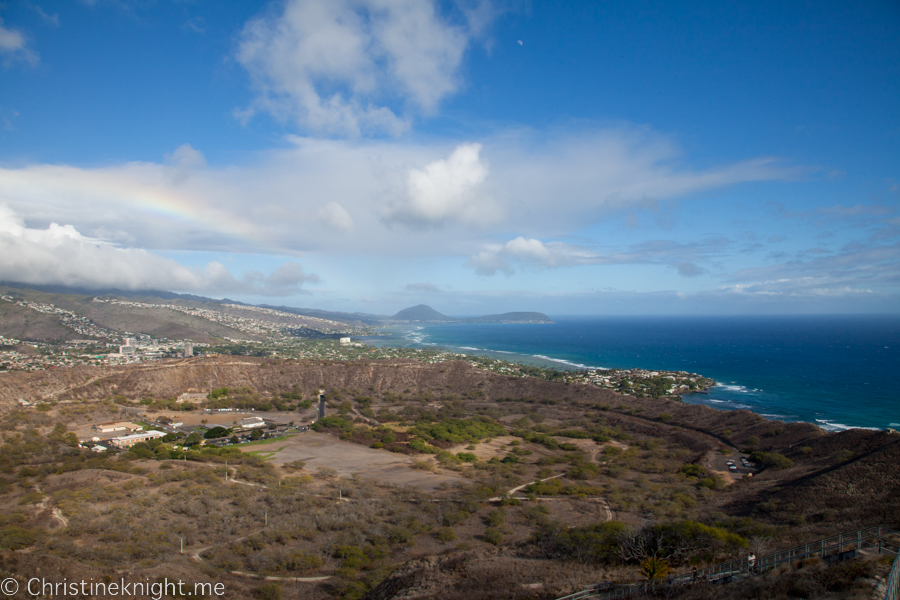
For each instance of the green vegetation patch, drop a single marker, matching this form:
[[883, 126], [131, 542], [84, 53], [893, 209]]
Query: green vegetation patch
[[458, 431]]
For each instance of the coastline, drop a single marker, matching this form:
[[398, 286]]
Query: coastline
[[781, 379]]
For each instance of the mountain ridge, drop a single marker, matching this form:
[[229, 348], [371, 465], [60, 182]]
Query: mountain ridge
[[425, 314]]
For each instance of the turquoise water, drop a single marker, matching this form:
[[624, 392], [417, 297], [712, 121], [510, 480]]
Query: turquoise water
[[836, 371]]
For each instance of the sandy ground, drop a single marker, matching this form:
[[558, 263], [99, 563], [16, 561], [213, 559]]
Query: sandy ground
[[323, 450], [487, 450]]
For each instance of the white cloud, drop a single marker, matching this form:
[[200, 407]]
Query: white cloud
[[336, 217], [446, 191], [186, 156], [59, 254], [535, 254], [856, 269], [14, 47], [397, 198], [338, 66], [529, 252]]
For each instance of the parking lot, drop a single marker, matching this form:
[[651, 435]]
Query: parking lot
[[720, 465]]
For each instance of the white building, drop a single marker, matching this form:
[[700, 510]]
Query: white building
[[191, 397], [251, 423], [344, 341], [117, 426], [127, 441]]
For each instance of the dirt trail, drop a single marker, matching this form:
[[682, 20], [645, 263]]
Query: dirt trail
[[54, 512], [523, 486]]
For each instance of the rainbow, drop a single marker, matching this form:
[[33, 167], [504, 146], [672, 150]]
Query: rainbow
[[140, 186]]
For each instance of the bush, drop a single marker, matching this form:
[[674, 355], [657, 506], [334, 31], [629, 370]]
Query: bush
[[444, 534], [495, 518], [587, 544], [492, 535], [583, 471], [713, 482], [692, 470], [459, 430], [771, 460], [13, 538], [269, 591]]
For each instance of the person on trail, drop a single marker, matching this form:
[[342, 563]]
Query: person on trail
[[751, 562], [694, 575]]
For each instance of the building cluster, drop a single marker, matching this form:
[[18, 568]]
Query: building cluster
[[46, 356], [322, 324], [126, 435], [640, 380], [143, 348]]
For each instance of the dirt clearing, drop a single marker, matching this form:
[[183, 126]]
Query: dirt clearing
[[319, 450]]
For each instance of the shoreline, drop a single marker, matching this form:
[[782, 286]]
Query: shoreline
[[720, 395]]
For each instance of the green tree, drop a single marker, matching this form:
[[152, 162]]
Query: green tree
[[193, 439], [215, 432]]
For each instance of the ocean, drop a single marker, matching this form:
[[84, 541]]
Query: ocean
[[838, 372]]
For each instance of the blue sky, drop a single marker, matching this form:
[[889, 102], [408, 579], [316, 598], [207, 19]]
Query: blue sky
[[368, 155]]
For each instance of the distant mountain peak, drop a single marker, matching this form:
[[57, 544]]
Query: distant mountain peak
[[421, 312]]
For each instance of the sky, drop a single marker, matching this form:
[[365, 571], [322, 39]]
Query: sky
[[608, 157]]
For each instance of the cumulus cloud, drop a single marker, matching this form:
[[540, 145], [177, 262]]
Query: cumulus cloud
[[14, 47], [446, 191], [60, 254], [340, 66]]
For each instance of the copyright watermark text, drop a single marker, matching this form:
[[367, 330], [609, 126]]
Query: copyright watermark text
[[38, 586]]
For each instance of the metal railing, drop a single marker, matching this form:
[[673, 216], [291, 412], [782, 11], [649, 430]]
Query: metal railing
[[836, 547], [892, 591]]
